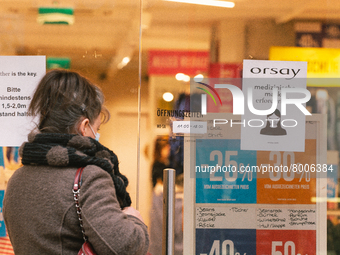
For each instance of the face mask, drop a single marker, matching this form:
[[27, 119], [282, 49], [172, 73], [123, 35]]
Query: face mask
[[97, 135]]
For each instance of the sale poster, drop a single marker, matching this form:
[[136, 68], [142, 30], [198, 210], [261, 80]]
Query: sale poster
[[255, 229], [235, 241], [286, 242], [289, 177], [255, 201], [218, 179], [227, 174]]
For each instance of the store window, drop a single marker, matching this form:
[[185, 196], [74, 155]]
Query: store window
[[153, 60]]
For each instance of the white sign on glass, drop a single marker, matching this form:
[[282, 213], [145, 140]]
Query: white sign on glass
[[274, 114], [19, 76]]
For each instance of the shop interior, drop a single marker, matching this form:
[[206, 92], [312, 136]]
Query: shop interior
[[112, 42]]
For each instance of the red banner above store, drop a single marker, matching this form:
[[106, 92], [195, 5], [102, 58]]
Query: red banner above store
[[172, 62], [225, 70]]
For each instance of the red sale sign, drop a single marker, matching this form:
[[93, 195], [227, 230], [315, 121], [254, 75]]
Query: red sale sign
[[284, 242], [172, 62]]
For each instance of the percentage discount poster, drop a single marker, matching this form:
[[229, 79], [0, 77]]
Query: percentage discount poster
[[294, 184], [265, 210], [217, 177], [226, 174]]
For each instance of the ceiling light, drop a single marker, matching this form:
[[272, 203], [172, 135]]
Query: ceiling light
[[168, 97], [186, 78], [51, 15], [180, 76], [126, 60], [199, 78], [123, 63], [215, 3]]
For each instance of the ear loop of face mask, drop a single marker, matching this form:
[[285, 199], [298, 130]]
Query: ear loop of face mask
[[97, 135]]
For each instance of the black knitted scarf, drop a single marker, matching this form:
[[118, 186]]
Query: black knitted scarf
[[63, 150]]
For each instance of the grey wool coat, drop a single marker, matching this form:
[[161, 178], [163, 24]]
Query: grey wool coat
[[41, 217]]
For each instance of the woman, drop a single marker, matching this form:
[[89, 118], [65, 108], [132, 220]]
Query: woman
[[39, 210]]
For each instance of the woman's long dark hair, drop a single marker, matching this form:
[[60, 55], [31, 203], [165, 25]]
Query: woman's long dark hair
[[63, 98]]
